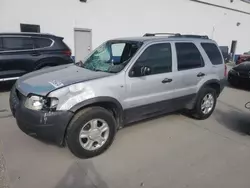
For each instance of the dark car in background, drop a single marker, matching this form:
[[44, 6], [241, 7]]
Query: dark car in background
[[240, 74], [21, 53], [242, 58]]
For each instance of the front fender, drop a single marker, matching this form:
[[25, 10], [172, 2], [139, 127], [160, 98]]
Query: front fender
[[105, 102]]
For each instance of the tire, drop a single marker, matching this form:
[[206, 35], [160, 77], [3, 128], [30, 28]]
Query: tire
[[197, 112], [80, 121]]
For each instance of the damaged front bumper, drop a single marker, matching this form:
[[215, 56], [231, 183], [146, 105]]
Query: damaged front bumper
[[50, 126]]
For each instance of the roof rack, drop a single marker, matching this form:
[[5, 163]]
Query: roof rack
[[195, 36], [176, 35], [155, 34]]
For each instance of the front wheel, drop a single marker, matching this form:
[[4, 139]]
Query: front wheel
[[91, 132], [205, 104]]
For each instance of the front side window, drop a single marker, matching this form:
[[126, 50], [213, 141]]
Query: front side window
[[112, 56], [157, 57], [17, 43], [42, 42], [188, 56], [213, 53]]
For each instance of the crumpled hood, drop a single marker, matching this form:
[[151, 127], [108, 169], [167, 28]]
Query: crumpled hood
[[245, 66], [46, 80]]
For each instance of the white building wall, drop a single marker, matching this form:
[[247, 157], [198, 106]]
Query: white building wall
[[120, 18]]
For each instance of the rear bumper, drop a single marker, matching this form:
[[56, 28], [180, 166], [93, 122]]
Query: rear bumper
[[50, 126]]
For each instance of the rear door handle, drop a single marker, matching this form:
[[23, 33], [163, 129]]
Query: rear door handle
[[201, 74], [166, 80]]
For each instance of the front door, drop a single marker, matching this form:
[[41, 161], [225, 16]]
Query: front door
[[83, 44], [152, 93]]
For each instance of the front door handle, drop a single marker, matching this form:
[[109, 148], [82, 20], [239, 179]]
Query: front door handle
[[201, 74], [166, 80]]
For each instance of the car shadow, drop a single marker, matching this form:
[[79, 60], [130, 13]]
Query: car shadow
[[235, 120], [6, 86], [82, 174], [146, 119]]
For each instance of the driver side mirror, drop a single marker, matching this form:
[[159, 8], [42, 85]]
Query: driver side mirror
[[139, 71]]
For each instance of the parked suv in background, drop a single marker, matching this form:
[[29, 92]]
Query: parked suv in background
[[122, 81], [21, 53]]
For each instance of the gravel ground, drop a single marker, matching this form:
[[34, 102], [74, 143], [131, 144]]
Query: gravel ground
[[4, 183]]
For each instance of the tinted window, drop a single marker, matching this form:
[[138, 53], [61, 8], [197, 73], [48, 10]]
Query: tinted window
[[158, 57], [42, 43], [188, 56], [17, 43], [213, 53]]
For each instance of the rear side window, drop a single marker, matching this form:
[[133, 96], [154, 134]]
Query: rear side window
[[213, 53], [17, 43], [188, 56], [158, 57], [42, 42]]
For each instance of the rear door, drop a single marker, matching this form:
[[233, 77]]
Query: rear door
[[191, 68], [16, 57]]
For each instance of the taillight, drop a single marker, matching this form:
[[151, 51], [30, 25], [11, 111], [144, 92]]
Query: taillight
[[67, 52], [225, 71]]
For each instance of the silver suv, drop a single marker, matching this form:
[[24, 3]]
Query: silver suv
[[122, 81]]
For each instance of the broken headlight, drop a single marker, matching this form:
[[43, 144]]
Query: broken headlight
[[41, 103]]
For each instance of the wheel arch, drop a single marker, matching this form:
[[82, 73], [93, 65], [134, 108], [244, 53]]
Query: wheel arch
[[109, 103], [214, 83]]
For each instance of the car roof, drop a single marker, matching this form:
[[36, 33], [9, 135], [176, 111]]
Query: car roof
[[29, 34]]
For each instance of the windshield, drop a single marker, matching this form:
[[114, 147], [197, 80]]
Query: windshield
[[111, 56]]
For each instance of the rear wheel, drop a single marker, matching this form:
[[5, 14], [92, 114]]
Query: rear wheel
[[91, 132], [205, 104]]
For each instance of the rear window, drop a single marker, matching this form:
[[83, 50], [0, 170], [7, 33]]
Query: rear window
[[42, 42], [17, 43], [213, 53]]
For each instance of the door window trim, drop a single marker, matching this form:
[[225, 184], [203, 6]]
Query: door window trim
[[32, 37], [140, 52], [199, 49]]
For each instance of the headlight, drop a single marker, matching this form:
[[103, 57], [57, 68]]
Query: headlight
[[41, 103]]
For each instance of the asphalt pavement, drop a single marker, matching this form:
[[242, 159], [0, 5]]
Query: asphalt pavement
[[171, 151]]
